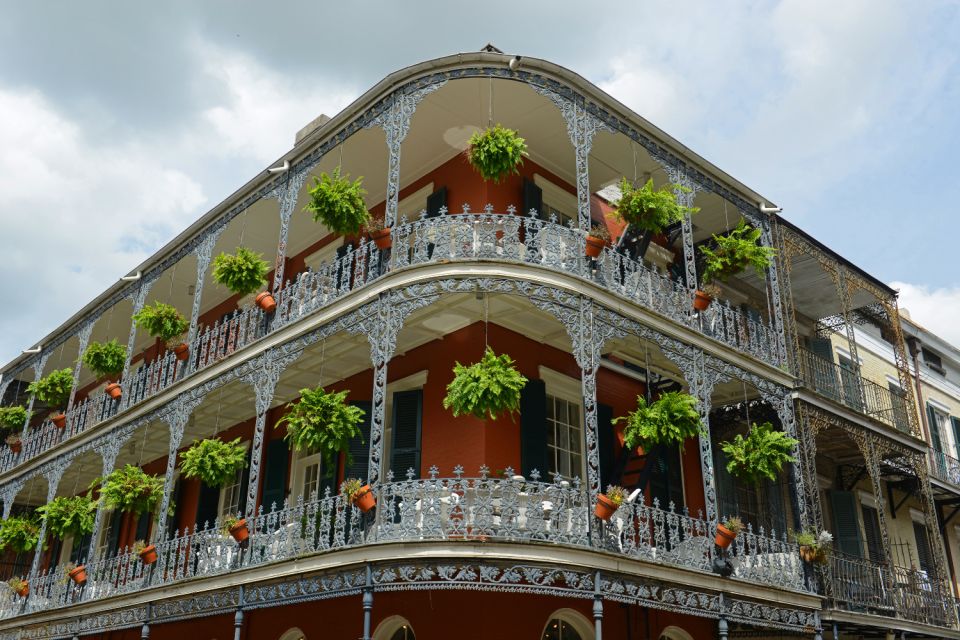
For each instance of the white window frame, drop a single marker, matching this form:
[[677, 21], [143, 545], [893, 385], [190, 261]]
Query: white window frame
[[556, 197], [301, 462], [412, 382], [414, 204], [575, 619], [564, 387], [390, 626]]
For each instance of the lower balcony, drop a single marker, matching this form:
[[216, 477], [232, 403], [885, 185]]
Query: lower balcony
[[945, 467]]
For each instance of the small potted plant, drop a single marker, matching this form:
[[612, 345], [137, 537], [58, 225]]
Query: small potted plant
[[13, 419], [338, 204], [54, 391], [214, 461], [813, 546], [651, 209], [236, 527], [19, 586], [131, 490], [163, 321], [670, 421], [609, 502], [735, 252], [243, 273], [703, 296], [322, 422], [597, 239], [76, 572], [485, 389], [379, 233], [106, 360], [496, 152], [761, 455], [19, 533], [14, 442], [727, 532], [360, 494], [146, 552]]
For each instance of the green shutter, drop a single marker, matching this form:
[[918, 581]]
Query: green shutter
[[143, 526], [871, 529], [773, 490], [923, 546], [666, 478], [726, 489], [934, 429], [604, 444], [275, 475], [407, 414], [114, 538], [360, 447], [845, 524], [533, 429], [956, 434]]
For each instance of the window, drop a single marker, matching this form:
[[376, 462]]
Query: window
[[559, 629], [564, 437], [394, 628], [567, 624], [923, 546], [933, 361], [562, 218], [230, 496], [307, 476], [938, 435], [293, 634], [871, 527]]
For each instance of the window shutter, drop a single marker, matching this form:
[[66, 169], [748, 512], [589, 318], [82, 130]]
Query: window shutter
[[778, 514], [822, 347], [275, 474], [360, 447], [407, 413], [436, 201], [844, 507], [726, 488], [244, 481], [81, 549], [174, 520], [143, 526], [956, 434], [207, 505], [532, 198], [923, 546], [533, 428], [605, 446], [871, 526], [114, 538], [666, 478]]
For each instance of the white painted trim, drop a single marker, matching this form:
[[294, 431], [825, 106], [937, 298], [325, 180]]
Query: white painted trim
[[824, 483], [939, 406], [411, 382], [556, 196], [413, 204], [293, 633], [917, 516], [562, 385], [390, 626], [894, 381], [575, 619], [867, 498], [846, 354]]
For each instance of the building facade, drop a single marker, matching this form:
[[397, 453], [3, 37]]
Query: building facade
[[483, 515]]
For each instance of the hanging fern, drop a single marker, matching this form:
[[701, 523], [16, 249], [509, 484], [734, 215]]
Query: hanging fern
[[735, 252], [19, 533], [651, 209], [12, 418], [105, 358], [243, 272], [497, 152], [324, 423], [53, 390], [214, 461], [129, 489], [760, 455], [162, 321], [485, 389], [70, 516], [338, 203], [668, 421]]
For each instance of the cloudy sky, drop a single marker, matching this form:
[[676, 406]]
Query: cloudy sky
[[120, 123]]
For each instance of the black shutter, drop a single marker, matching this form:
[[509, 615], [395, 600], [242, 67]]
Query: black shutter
[[956, 434], [436, 201], [177, 506], [822, 373], [275, 475], [666, 477], [114, 538], [143, 526], [407, 413], [244, 481], [726, 487], [844, 507], [605, 445], [532, 198], [81, 549], [923, 546], [360, 447], [533, 429], [871, 528], [207, 505], [778, 513], [899, 404]]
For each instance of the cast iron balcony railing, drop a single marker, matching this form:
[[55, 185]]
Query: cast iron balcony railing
[[847, 387], [858, 584], [447, 238], [944, 467], [458, 509]]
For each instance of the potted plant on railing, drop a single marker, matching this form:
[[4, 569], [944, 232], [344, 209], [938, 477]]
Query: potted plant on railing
[[19, 586], [609, 502], [668, 421], [360, 494], [597, 238], [650, 209], [146, 552], [214, 461], [54, 391], [106, 360], [322, 422], [496, 152], [163, 321], [761, 455], [727, 532], [14, 442], [243, 273], [13, 419], [130, 489], [814, 546], [70, 516], [734, 252], [75, 572], [19, 533], [338, 203], [379, 232], [236, 527], [485, 389]]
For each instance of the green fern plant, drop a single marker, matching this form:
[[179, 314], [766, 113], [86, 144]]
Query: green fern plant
[[214, 461], [760, 455], [130, 489], [322, 422], [162, 321], [105, 358], [670, 420], [496, 152], [242, 272], [13, 418], [651, 209], [485, 389], [735, 252], [338, 203], [19, 533], [70, 516], [53, 390]]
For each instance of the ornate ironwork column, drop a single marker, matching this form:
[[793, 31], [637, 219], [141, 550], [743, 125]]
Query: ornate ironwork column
[[38, 367], [395, 121], [109, 449], [781, 400], [776, 299], [139, 298], [176, 419], [84, 338], [903, 365], [597, 608], [685, 190], [367, 604], [871, 455], [785, 252], [53, 472], [843, 288], [204, 253], [10, 491], [286, 194], [918, 464]]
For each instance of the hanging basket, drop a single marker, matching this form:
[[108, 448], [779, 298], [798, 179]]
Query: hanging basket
[[605, 507], [79, 575], [239, 531], [364, 498], [267, 302], [724, 537], [59, 420], [148, 554]]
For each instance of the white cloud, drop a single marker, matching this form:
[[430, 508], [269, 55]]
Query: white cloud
[[932, 308]]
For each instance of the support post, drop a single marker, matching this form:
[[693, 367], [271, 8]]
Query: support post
[[177, 421], [723, 629], [139, 299], [145, 629], [367, 604], [286, 194], [597, 609], [109, 449], [684, 189], [84, 338], [52, 473], [204, 253], [238, 617], [38, 367]]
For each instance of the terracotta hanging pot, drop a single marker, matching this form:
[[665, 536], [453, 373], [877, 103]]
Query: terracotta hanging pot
[[16, 446], [605, 507], [724, 537], [701, 300], [239, 531], [181, 351], [364, 498], [148, 554], [594, 246], [382, 238], [79, 575], [114, 390], [59, 420], [266, 301]]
